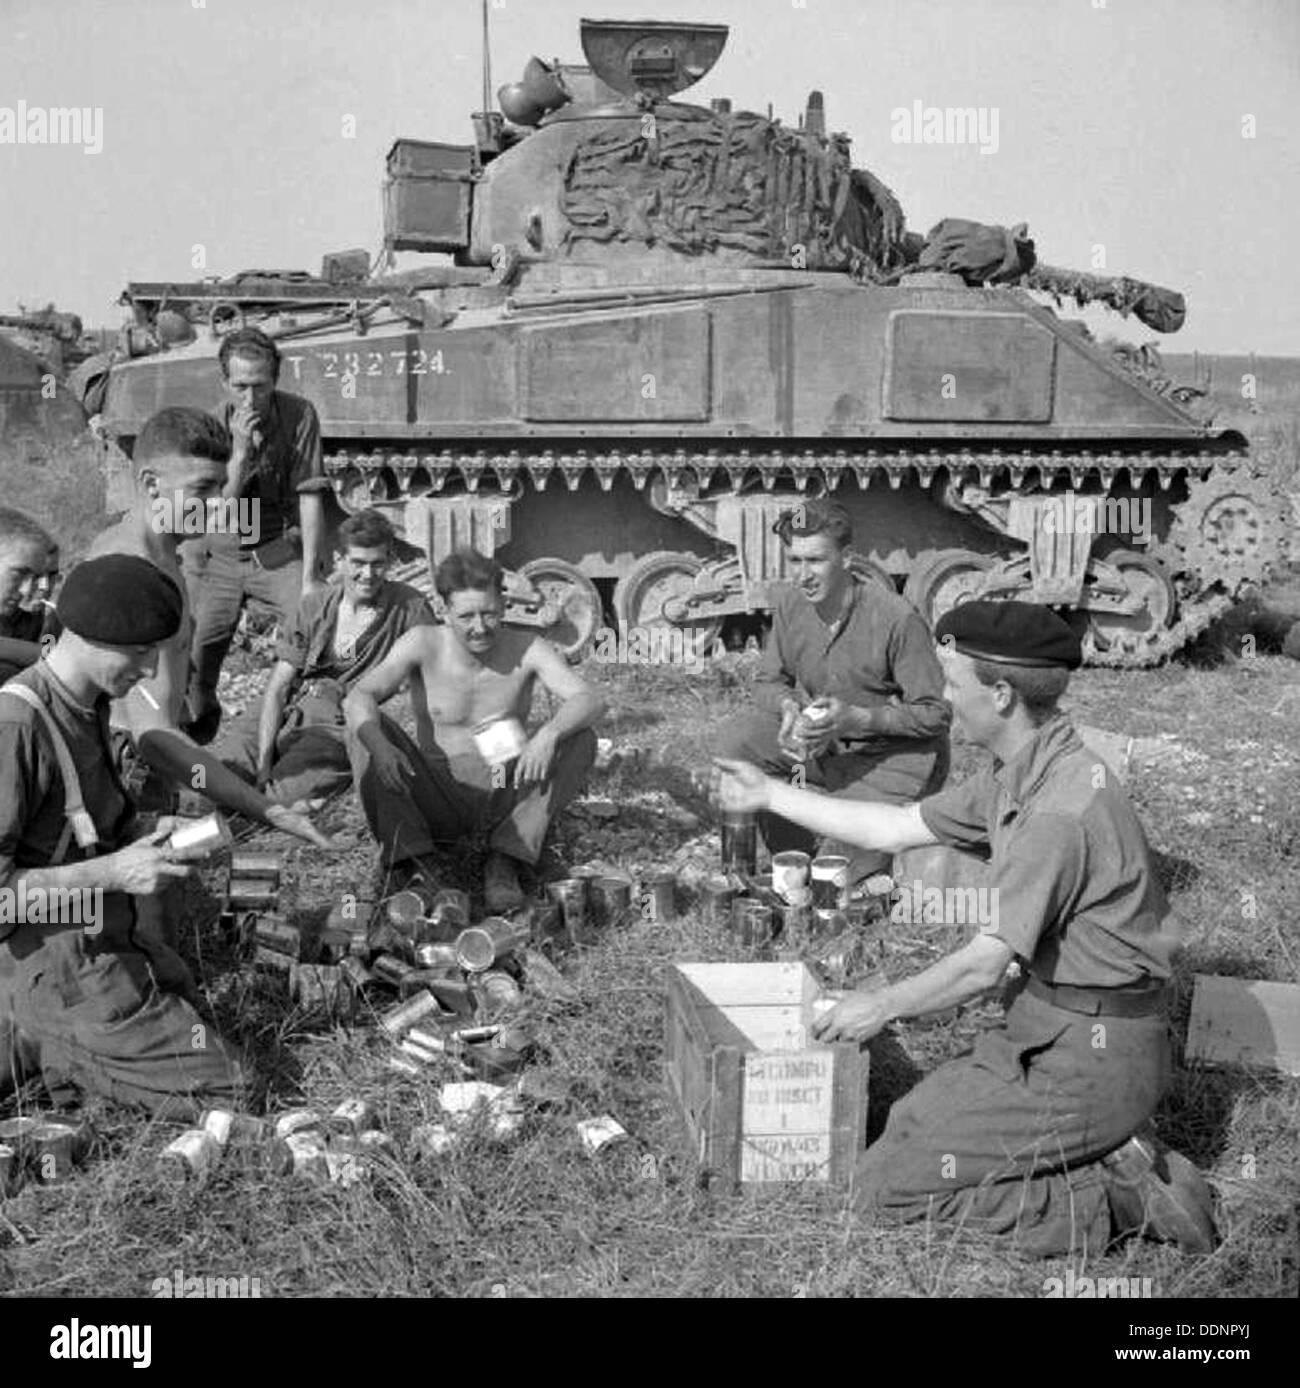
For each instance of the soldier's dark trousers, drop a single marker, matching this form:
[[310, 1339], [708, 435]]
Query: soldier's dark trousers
[[1008, 1138], [221, 577], [311, 759], [97, 1017], [897, 778], [447, 801]]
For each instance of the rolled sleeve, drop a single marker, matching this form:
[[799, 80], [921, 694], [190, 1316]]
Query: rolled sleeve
[[295, 642], [919, 710], [1033, 888], [960, 815], [308, 461]]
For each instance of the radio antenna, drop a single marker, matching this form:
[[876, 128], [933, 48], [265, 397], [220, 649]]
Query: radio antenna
[[487, 61]]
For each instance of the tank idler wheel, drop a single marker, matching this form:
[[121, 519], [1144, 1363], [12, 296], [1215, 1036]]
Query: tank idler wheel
[[666, 577], [946, 579], [1147, 580], [573, 597]]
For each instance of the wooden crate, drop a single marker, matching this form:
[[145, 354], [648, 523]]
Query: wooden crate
[[761, 1101]]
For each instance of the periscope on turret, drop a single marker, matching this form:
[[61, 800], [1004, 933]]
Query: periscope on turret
[[639, 328]]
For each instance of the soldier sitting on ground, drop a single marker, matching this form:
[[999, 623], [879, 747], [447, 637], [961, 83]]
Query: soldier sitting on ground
[[863, 660], [1044, 1129], [448, 782], [293, 740], [81, 1004], [29, 568]]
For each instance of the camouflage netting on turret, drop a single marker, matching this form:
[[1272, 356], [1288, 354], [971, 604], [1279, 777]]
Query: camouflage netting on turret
[[698, 182]]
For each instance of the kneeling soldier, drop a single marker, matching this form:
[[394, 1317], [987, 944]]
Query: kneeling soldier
[[80, 1002], [1038, 1129]]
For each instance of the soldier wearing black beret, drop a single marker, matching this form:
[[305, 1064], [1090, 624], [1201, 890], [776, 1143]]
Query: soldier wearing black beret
[[1042, 1131], [88, 1005]]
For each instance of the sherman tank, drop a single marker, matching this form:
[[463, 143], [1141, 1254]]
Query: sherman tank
[[654, 326]]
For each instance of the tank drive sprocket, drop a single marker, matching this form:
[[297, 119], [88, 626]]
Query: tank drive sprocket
[[1232, 527]]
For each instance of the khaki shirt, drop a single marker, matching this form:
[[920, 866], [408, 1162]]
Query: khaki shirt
[[1073, 886]]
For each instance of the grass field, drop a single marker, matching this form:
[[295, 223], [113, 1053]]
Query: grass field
[[537, 1217]]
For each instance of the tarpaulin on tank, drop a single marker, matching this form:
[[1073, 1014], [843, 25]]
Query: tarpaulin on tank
[[1162, 310], [980, 254], [697, 181]]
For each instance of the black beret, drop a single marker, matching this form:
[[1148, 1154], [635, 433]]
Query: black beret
[[120, 600], [1011, 633]]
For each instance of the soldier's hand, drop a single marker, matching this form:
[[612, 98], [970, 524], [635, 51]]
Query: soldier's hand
[[785, 737], [144, 867], [288, 820], [537, 758], [819, 734], [245, 431], [739, 786], [857, 1018], [391, 766]]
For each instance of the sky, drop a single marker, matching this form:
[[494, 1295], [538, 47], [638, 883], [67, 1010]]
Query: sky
[[1122, 124]]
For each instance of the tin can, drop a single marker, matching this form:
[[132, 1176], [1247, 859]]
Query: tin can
[[352, 1116], [446, 919], [751, 921], [264, 865], [303, 1154], [405, 912], [545, 920], [739, 842], [453, 994], [376, 1141], [481, 945], [228, 923], [497, 990], [658, 897], [419, 980], [513, 1037], [570, 895], [195, 839], [278, 936], [218, 1123], [398, 1020], [386, 938], [796, 921], [253, 894], [499, 739], [350, 915], [436, 956], [14, 1132], [192, 1155], [609, 899], [790, 872], [390, 970], [426, 1040], [453, 897], [297, 1120], [412, 1050], [52, 1150], [320, 987], [718, 893], [830, 882]]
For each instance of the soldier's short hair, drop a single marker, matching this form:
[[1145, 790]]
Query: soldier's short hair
[[1038, 688], [464, 569], [248, 342], [368, 529], [18, 528], [816, 516], [181, 431]]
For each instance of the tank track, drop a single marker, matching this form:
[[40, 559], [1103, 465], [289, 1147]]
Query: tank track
[[393, 476]]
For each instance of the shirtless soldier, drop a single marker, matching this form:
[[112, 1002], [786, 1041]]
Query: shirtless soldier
[[441, 787]]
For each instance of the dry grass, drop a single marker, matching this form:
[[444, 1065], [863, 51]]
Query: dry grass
[[538, 1217]]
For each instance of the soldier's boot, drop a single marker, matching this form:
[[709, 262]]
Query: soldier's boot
[[1158, 1192], [501, 889]]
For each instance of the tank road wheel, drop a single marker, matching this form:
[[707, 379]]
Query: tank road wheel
[[1120, 633], [573, 596], [948, 578], [653, 581]]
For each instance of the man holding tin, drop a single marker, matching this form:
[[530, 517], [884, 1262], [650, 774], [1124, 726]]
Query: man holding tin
[[1044, 1130], [83, 1006], [471, 767], [848, 695]]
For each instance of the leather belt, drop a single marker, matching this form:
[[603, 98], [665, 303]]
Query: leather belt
[[1143, 1000]]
